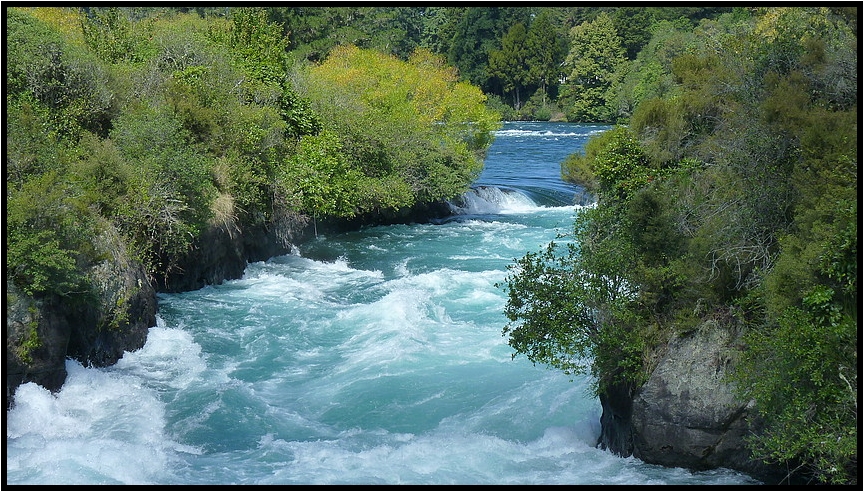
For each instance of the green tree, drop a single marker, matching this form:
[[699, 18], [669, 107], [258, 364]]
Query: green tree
[[260, 49], [319, 176], [595, 54], [510, 63], [395, 30], [546, 50], [408, 124], [633, 25], [476, 33], [437, 28], [110, 34], [581, 307], [650, 75], [66, 80]]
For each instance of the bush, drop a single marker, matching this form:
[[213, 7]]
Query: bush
[[409, 124], [49, 71], [170, 192], [802, 372], [496, 104], [613, 163], [47, 243]]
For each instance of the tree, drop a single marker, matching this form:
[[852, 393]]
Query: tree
[[410, 127], [546, 50], [595, 54], [476, 33], [437, 28], [581, 306], [395, 30], [510, 63], [110, 34], [632, 24]]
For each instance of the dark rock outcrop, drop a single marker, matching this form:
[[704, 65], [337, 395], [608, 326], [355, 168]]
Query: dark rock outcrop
[[37, 336], [95, 329], [222, 253], [687, 414], [42, 333], [224, 250], [616, 420]]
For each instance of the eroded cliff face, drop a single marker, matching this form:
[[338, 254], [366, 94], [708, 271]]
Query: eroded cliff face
[[222, 253], [42, 333], [95, 329], [687, 414]]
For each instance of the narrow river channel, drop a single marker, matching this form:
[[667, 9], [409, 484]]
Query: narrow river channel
[[370, 357]]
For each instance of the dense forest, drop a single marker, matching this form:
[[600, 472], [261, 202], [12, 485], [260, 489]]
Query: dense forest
[[726, 192]]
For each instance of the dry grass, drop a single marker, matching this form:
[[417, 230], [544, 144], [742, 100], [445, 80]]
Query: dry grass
[[225, 214]]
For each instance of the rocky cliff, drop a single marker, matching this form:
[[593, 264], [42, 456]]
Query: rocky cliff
[[94, 329], [687, 414], [42, 333]]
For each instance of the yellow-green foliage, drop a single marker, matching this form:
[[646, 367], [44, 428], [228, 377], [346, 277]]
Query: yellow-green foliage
[[412, 123], [66, 20], [144, 117]]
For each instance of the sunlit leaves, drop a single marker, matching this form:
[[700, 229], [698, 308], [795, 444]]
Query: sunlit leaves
[[319, 175], [595, 54], [409, 122]]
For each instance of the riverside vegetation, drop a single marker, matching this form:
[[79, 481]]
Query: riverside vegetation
[[138, 141], [727, 193], [731, 196]]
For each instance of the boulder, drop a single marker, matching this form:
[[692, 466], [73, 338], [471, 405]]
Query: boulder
[[687, 413]]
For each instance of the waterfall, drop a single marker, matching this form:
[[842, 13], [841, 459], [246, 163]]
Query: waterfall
[[483, 200]]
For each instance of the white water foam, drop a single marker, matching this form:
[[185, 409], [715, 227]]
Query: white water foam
[[491, 200], [105, 426], [545, 133], [100, 428]]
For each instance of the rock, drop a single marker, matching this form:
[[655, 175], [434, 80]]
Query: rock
[[687, 414], [95, 329], [36, 341], [124, 310], [616, 422], [223, 251]]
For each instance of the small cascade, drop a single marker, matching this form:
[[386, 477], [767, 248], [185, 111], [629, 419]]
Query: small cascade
[[484, 200]]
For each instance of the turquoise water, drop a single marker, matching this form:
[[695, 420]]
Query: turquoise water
[[370, 357]]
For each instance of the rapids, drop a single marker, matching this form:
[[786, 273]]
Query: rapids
[[369, 357]]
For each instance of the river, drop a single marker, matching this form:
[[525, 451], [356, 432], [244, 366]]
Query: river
[[369, 357]]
